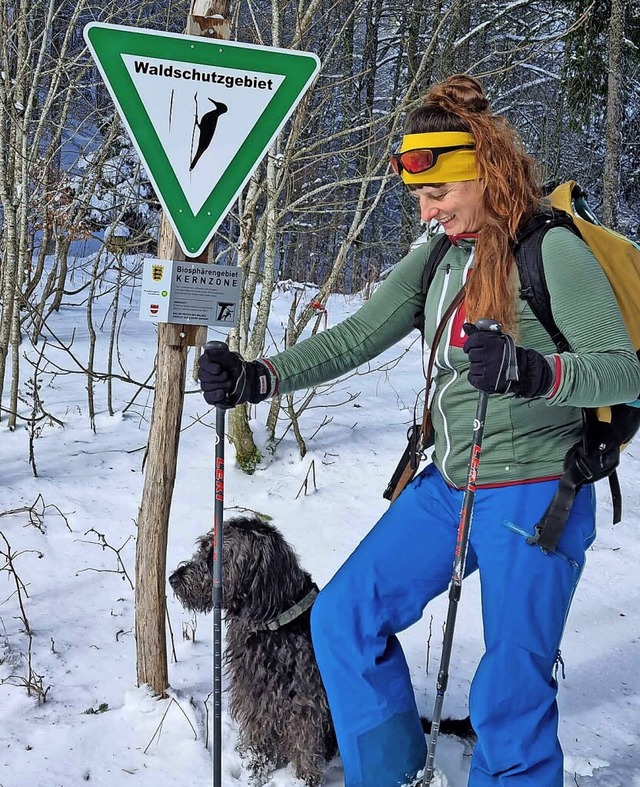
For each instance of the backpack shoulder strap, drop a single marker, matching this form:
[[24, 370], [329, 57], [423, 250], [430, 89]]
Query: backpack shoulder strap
[[533, 283], [436, 255], [440, 248]]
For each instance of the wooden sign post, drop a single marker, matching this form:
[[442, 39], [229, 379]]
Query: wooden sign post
[[206, 18]]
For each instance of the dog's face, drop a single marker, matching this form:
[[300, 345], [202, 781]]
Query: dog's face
[[192, 581], [261, 573]]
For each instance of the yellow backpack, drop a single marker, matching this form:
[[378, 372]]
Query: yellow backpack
[[608, 429], [618, 255]]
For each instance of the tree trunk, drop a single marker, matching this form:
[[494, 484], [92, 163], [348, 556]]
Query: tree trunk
[[151, 545], [112, 333], [9, 285], [95, 283], [611, 175]]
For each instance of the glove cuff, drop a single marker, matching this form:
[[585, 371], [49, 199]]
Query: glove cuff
[[551, 360], [272, 377], [260, 385], [537, 374]]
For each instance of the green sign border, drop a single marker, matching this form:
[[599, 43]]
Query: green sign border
[[109, 42]]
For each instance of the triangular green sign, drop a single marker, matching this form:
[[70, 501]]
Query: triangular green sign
[[201, 113]]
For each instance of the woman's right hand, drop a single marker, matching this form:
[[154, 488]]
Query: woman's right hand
[[227, 380]]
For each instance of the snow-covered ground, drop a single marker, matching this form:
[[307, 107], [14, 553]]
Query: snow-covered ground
[[96, 726]]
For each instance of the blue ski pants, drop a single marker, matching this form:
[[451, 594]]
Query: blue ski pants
[[383, 588]]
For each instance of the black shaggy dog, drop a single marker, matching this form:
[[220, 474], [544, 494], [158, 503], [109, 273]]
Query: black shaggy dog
[[276, 695]]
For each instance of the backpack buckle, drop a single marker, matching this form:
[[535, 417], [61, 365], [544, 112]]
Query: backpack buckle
[[534, 540], [417, 447]]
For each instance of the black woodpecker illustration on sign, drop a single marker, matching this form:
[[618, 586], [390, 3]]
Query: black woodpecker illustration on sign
[[207, 128]]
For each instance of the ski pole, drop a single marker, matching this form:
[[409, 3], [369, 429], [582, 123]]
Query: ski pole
[[218, 516], [460, 559]]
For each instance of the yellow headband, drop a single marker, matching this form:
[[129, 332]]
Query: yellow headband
[[450, 167]]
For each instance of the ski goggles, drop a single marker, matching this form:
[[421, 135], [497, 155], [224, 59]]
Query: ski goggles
[[419, 159]]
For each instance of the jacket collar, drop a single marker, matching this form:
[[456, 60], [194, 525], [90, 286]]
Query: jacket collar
[[455, 239]]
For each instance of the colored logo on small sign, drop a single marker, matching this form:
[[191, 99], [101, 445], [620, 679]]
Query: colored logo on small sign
[[157, 272], [226, 312]]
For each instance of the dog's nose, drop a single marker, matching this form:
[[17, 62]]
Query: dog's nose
[[176, 577]]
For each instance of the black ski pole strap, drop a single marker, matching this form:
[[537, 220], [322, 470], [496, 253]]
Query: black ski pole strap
[[616, 497], [549, 529]]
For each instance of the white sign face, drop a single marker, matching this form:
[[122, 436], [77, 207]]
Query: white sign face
[[190, 293], [202, 116]]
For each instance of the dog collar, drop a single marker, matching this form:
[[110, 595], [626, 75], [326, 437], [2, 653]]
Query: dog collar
[[293, 612]]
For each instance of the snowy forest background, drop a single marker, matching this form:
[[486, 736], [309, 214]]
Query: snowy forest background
[[318, 224], [322, 208]]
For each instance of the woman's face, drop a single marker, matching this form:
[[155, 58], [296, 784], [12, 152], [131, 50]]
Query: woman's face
[[458, 207]]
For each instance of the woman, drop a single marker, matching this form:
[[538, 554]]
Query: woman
[[468, 171]]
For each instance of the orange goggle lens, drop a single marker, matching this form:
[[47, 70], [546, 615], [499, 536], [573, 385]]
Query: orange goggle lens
[[421, 159]]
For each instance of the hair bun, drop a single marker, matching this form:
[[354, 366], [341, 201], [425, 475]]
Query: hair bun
[[458, 92]]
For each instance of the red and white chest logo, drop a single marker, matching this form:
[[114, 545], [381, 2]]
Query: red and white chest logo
[[458, 336]]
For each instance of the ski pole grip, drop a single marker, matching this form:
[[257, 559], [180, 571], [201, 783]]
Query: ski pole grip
[[220, 407], [215, 346], [487, 324]]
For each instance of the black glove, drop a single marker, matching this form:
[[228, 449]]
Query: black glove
[[227, 380], [497, 365]]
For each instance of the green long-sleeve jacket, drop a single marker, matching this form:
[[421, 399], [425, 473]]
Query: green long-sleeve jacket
[[524, 439]]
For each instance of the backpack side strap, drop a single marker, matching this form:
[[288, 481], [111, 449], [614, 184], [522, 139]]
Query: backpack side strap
[[549, 529], [591, 459]]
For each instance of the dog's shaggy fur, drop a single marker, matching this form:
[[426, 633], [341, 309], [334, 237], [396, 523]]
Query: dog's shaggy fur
[[276, 694]]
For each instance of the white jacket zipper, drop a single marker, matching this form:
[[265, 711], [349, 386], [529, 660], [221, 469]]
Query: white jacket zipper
[[442, 361]]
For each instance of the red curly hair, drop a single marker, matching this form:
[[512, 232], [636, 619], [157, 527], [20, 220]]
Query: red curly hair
[[509, 183]]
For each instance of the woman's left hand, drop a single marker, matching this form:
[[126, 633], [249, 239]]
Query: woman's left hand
[[490, 356]]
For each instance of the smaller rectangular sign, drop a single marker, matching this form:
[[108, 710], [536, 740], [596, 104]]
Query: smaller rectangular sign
[[190, 293]]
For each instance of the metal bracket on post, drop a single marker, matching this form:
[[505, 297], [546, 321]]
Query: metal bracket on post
[[205, 21]]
